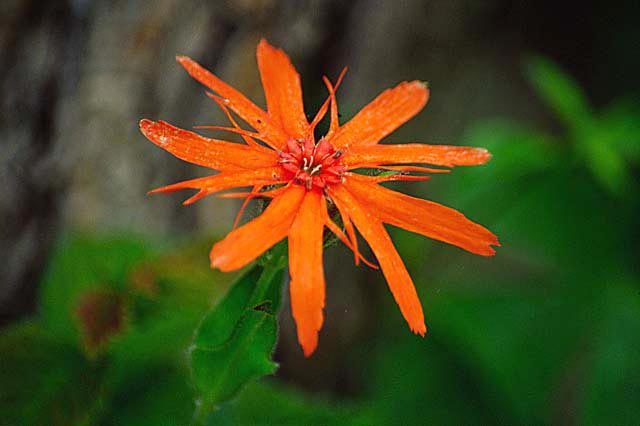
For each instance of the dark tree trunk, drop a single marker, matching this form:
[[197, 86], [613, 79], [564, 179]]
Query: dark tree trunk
[[36, 39]]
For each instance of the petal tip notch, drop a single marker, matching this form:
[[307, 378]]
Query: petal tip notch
[[420, 329]]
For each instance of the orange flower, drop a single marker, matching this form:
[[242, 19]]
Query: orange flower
[[303, 177]]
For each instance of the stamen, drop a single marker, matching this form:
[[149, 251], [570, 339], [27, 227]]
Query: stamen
[[316, 169]]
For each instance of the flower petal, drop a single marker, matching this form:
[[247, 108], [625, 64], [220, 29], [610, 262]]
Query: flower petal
[[438, 155], [305, 266], [347, 242], [247, 110], [423, 217], [248, 139], [383, 115], [348, 226], [392, 266], [282, 90], [212, 153], [334, 107], [244, 244], [225, 180], [253, 194]]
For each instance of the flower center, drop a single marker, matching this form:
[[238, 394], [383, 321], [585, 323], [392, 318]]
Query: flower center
[[310, 164]]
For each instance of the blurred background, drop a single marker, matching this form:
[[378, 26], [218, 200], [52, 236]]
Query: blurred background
[[101, 286]]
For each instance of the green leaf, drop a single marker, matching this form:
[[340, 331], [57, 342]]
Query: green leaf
[[591, 137], [235, 340], [620, 123], [559, 91], [605, 163], [219, 323], [611, 146]]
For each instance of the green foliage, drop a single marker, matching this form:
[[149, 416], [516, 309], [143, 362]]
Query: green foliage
[[598, 140], [612, 385], [546, 332], [268, 403], [234, 342], [138, 374], [559, 91], [43, 380], [81, 265], [548, 335], [50, 377]]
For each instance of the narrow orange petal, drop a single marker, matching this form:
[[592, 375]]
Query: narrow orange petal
[[272, 193], [342, 237], [334, 124], [393, 268], [248, 139], [334, 107], [348, 226], [225, 180], [414, 169], [305, 267], [397, 177], [333, 227], [247, 110], [235, 130], [239, 195], [253, 194], [244, 244], [423, 217], [212, 153], [282, 90], [383, 115], [438, 155]]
